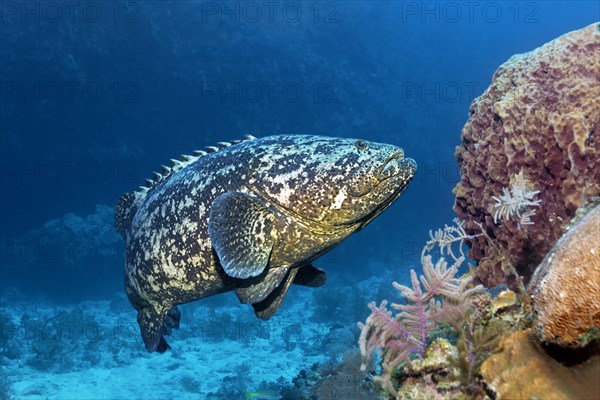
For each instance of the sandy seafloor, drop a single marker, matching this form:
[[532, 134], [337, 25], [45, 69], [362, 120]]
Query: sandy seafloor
[[92, 350]]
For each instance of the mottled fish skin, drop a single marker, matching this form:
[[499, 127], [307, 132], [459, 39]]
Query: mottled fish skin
[[246, 218]]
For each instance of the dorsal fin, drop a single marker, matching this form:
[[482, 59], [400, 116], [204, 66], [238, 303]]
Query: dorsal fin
[[177, 165]]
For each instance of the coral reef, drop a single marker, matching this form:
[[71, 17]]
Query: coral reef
[[522, 370], [450, 367], [345, 381], [66, 255], [479, 334], [232, 385], [535, 131], [505, 299], [70, 242], [303, 383], [76, 239], [565, 288], [439, 352], [65, 341], [444, 300], [50, 349]]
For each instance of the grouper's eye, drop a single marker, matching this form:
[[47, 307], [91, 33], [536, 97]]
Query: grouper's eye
[[361, 144]]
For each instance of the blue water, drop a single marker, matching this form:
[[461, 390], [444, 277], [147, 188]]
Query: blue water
[[96, 95]]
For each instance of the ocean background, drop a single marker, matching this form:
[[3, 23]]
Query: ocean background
[[96, 95]]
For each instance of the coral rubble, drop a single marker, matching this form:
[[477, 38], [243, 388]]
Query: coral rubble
[[534, 129], [565, 288]]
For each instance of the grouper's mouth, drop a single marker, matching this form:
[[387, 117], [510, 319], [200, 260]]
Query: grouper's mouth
[[398, 169], [396, 164]]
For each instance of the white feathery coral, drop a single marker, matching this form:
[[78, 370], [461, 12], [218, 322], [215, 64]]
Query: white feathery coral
[[516, 202], [445, 238]]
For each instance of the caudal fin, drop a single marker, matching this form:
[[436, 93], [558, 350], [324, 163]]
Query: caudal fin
[[153, 325]]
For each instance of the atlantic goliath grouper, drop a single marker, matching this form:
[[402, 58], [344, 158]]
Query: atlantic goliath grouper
[[251, 216]]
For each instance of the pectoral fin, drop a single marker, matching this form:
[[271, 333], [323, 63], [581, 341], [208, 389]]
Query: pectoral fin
[[310, 276], [242, 233], [266, 308]]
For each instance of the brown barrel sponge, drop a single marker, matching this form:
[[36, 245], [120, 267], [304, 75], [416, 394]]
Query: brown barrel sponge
[[540, 119]]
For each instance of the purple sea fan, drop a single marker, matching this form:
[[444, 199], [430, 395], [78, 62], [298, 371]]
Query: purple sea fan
[[442, 300]]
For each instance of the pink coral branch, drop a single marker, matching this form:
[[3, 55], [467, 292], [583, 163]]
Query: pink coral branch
[[401, 336]]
